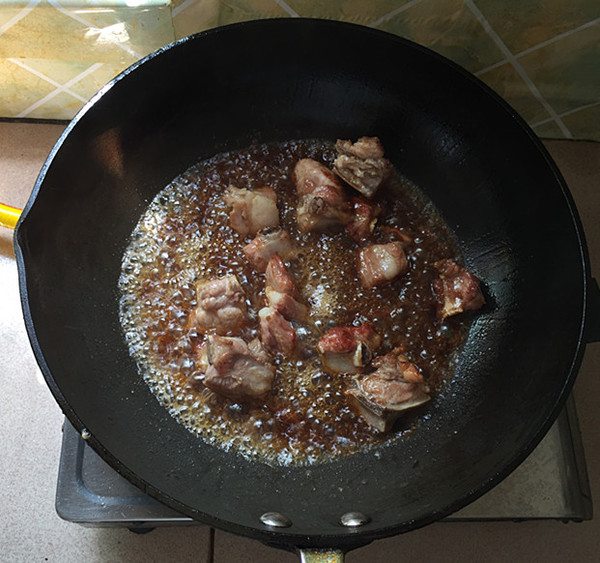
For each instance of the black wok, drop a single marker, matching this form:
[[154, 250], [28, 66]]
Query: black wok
[[275, 80]]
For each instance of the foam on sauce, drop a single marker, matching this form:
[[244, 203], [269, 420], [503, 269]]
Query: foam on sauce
[[184, 237]]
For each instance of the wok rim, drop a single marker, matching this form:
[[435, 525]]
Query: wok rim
[[286, 538]]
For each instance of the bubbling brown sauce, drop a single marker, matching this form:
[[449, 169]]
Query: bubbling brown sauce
[[184, 237]]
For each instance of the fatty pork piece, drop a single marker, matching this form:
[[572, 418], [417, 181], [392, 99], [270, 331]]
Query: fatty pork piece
[[276, 333], [238, 370], [348, 349], [381, 263], [362, 165], [363, 221], [456, 289], [269, 241], [322, 202], [221, 306], [394, 387], [251, 210], [281, 291]]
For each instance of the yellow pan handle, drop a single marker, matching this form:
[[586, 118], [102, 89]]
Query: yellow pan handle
[[9, 216]]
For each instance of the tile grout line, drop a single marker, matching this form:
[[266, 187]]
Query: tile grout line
[[35, 72], [491, 67], [41, 75], [17, 17], [284, 6], [64, 88], [558, 37], [385, 17], [540, 45], [183, 6], [565, 113], [520, 70]]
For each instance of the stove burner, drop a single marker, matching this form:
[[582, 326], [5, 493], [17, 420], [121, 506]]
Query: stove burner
[[552, 483]]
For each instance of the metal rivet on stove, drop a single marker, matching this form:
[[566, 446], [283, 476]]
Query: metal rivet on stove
[[354, 519], [275, 520], [85, 434]]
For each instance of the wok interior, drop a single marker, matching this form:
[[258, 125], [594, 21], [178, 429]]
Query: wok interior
[[278, 80]]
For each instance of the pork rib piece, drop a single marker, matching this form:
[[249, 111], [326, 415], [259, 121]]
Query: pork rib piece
[[281, 291], [363, 221], [394, 387], [348, 349], [362, 165], [381, 263], [221, 306], [251, 210], [269, 241], [322, 202], [276, 333], [236, 369], [456, 289]]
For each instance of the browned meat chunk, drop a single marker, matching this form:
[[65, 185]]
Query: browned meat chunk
[[347, 349], [236, 369], [321, 210], [363, 221], [362, 164], [278, 277], [322, 202], [269, 241], [221, 306], [381, 263], [395, 386], [251, 210], [281, 291], [276, 333], [310, 175], [456, 289], [288, 306]]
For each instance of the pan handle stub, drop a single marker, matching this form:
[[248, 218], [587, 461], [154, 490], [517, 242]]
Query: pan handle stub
[[321, 556], [9, 216], [350, 520]]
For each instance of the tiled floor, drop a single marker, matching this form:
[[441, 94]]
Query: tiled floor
[[30, 433]]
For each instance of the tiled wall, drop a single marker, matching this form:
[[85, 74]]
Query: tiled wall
[[542, 56], [55, 54]]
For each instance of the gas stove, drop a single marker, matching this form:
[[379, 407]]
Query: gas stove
[[552, 483]]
